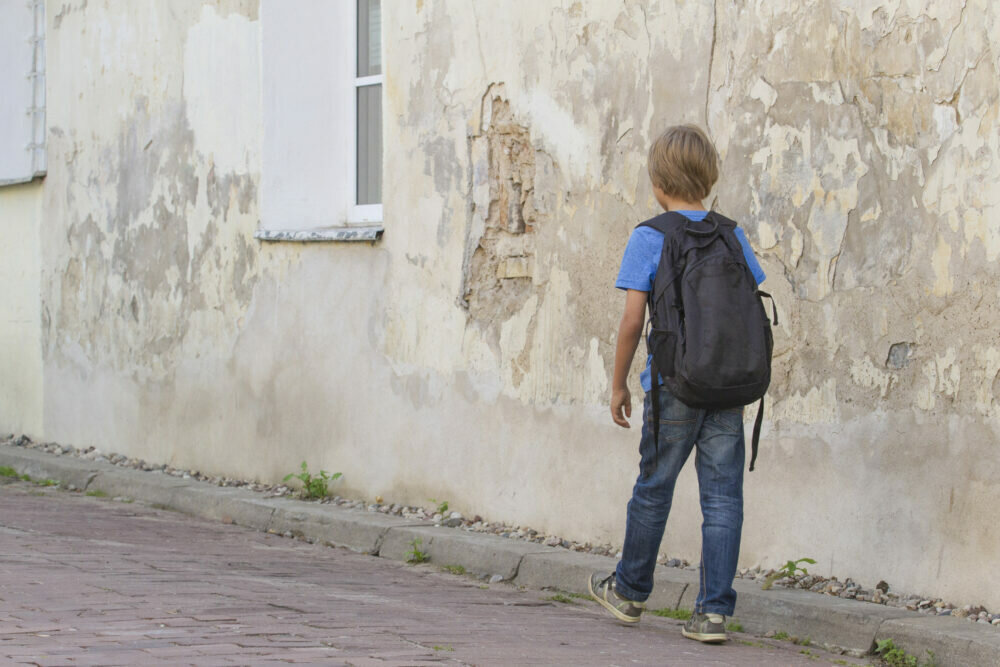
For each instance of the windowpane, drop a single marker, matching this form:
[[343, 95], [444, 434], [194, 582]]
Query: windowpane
[[370, 144], [369, 37]]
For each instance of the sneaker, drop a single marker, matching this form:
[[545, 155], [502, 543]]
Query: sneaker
[[708, 628], [602, 589]]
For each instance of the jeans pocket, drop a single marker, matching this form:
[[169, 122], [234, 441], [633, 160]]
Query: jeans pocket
[[729, 420], [676, 430]]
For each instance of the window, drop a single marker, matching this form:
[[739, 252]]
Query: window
[[322, 81], [369, 108], [22, 91]]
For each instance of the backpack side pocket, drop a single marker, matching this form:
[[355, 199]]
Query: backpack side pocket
[[662, 345]]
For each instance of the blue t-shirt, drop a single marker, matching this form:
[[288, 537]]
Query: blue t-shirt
[[642, 256]]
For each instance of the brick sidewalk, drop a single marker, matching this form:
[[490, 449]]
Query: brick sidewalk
[[89, 581]]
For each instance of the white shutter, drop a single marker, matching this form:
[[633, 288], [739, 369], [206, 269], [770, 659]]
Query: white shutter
[[22, 90]]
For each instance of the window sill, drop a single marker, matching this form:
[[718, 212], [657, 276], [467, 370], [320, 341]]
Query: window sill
[[21, 181], [343, 234]]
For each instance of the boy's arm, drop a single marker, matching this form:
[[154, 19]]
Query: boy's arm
[[629, 333]]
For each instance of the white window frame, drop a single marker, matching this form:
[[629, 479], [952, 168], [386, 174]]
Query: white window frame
[[309, 156], [363, 213]]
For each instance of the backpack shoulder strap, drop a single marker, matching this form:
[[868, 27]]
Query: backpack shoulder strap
[[721, 219], [665, 222]]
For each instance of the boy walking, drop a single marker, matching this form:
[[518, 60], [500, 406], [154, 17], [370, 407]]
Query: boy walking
[[683, 167]]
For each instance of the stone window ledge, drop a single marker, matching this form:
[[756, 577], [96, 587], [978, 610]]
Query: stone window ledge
[[344, 234]]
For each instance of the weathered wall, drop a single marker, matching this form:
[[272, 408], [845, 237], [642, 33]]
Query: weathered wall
[[20, 314], [468, 355]]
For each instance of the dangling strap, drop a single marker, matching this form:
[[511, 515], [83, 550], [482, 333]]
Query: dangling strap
[[774, 309], [654, 377], [756, 433]]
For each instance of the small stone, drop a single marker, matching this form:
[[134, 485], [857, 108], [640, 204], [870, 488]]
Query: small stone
[[882, 586], [378, 499], [552, 541], [496, 578], [674, 562], [960, 613], [995, 621], [452, 522]]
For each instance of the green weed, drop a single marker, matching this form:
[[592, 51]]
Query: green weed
[[313, 486], [7, 471], [559, 597], [97, 493], [893, 656], [443, 648], [787, 570], [415, 555], [440, 507], [734, 626], [781, 635], [454, 569]]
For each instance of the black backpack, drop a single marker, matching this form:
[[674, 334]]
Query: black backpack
[[709, 335]]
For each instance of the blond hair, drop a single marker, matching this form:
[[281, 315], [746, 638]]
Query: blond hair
[[683, 163]]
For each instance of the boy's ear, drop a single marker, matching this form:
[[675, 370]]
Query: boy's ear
[[661, 197]]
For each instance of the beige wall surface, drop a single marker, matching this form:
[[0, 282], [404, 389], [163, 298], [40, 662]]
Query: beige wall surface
[[467, 356], [20, 314]]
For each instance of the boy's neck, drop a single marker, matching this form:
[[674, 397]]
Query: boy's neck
[[682, 205], [669, 203]]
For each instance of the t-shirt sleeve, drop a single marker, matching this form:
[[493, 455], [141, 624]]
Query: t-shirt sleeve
[[758, 273], [642, 255]]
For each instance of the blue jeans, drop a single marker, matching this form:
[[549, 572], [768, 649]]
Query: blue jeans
[[718, 435]]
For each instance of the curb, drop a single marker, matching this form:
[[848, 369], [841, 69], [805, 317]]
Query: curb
[[833, 622]]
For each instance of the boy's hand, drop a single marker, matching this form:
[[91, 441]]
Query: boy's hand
[[621, 399]]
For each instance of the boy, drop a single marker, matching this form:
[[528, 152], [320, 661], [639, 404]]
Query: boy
[[683, 167]]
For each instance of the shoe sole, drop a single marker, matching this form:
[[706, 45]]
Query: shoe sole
[[705, 638], [610, 607]]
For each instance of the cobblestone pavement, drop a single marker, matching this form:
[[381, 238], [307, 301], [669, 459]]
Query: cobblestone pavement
[[93, 581]]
